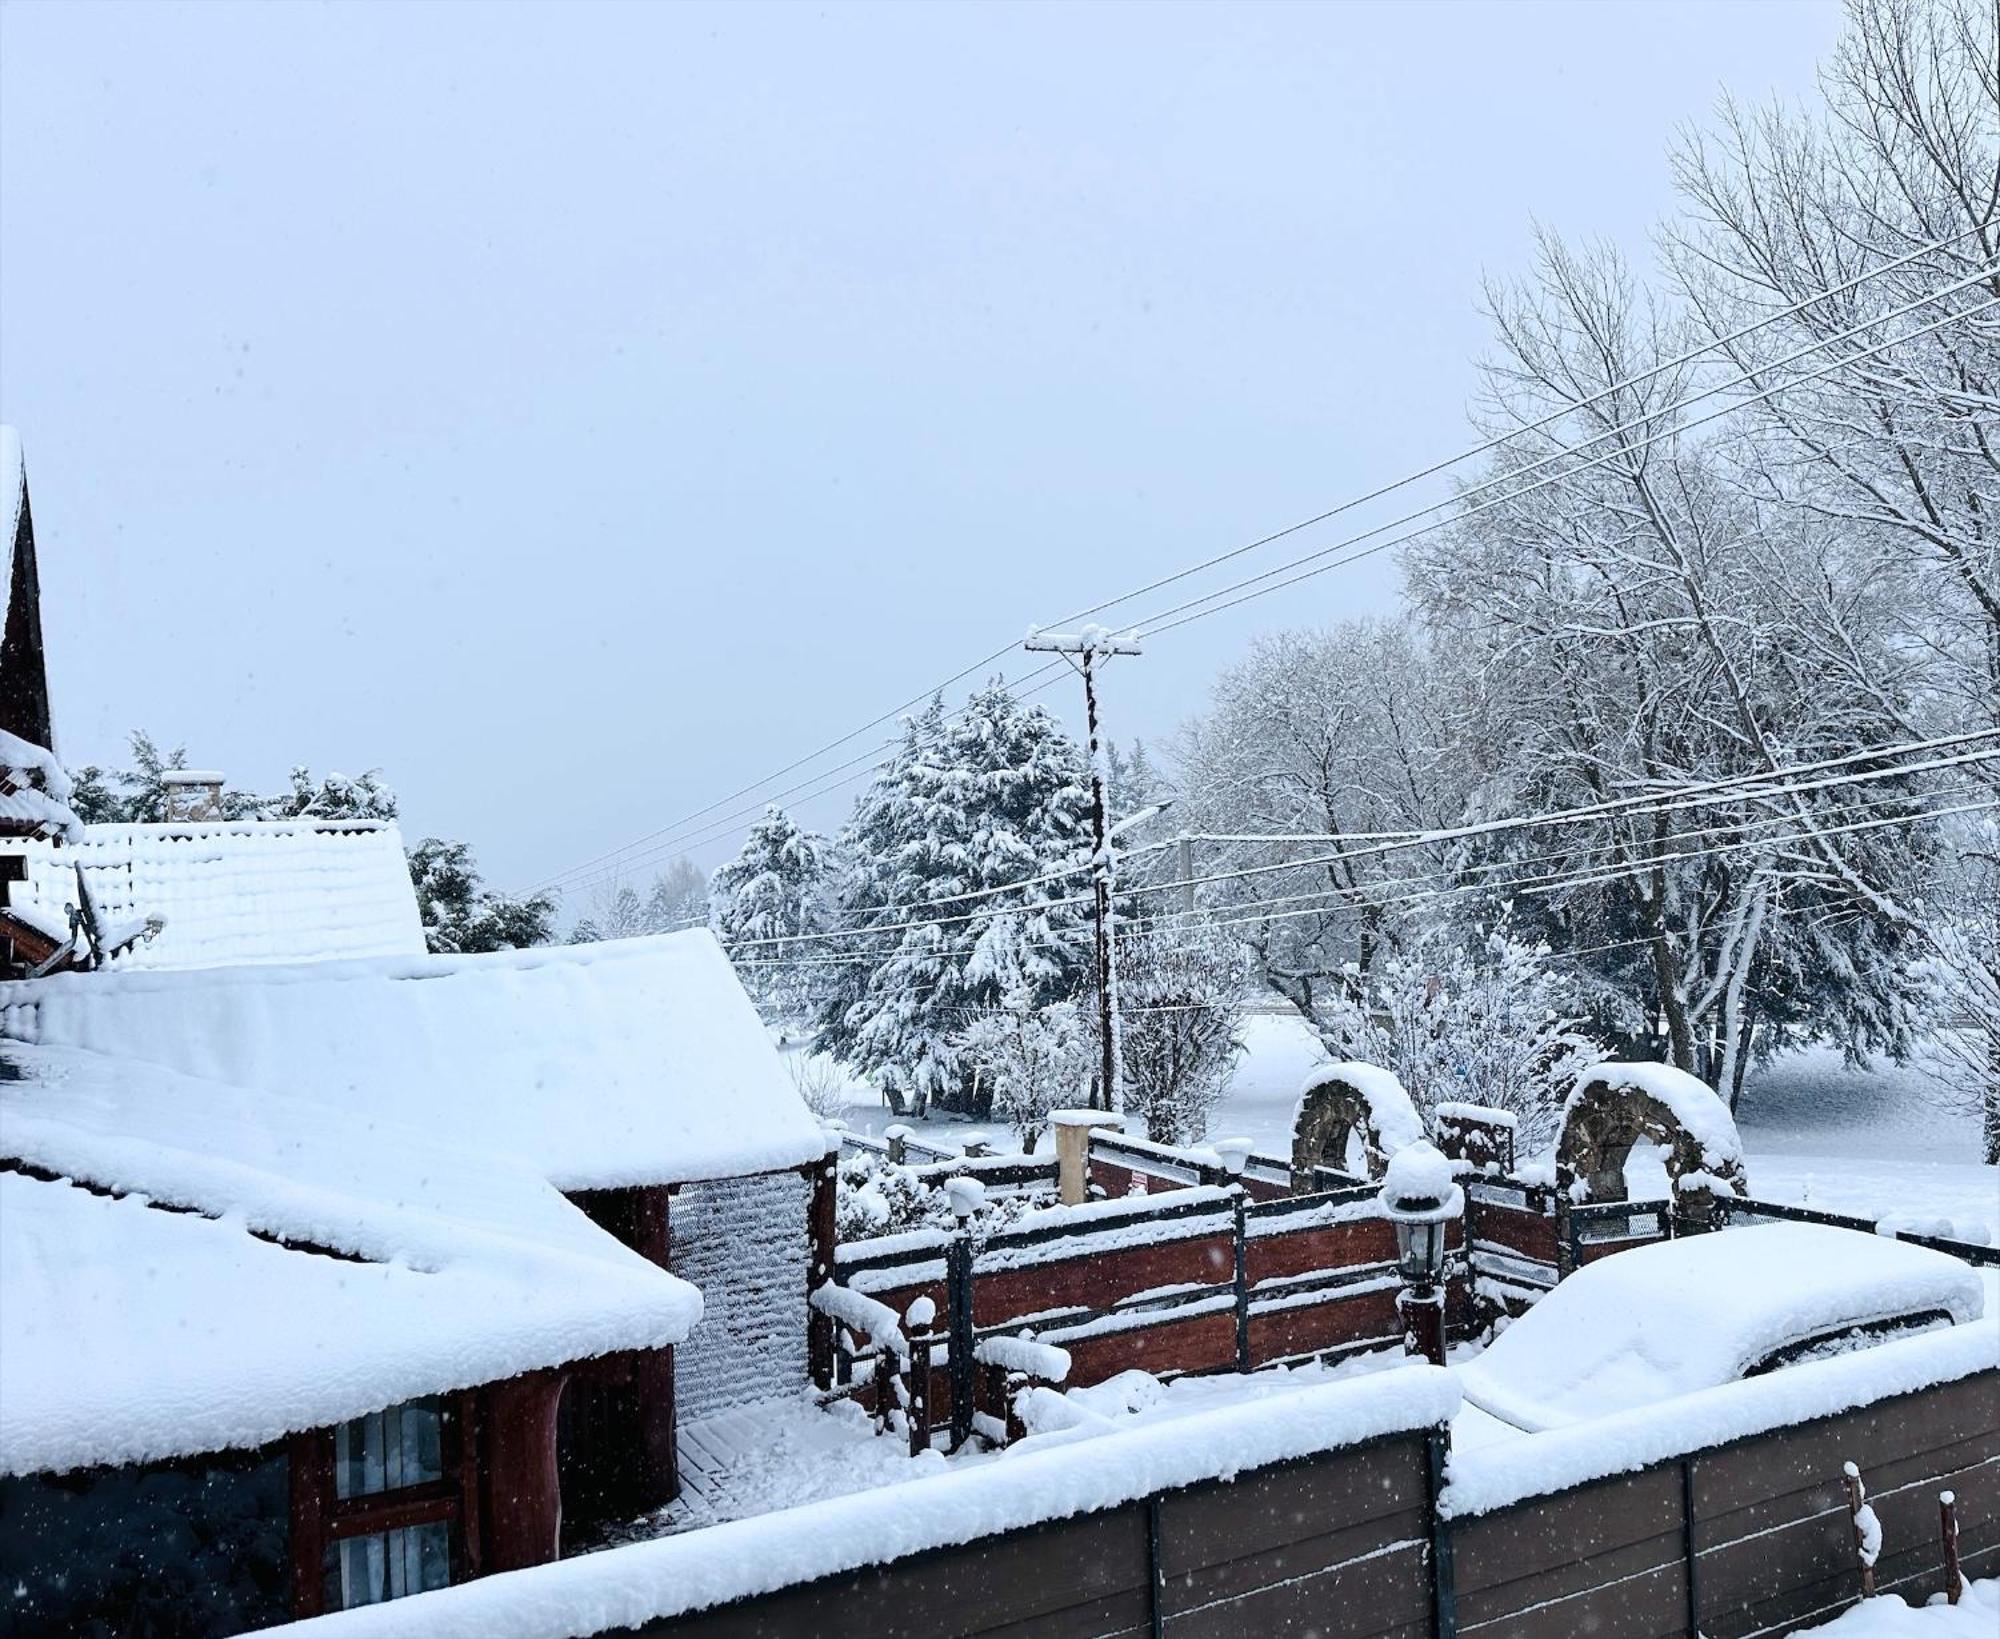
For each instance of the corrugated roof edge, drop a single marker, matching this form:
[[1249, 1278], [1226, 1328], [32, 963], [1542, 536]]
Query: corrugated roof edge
[[26, 992]]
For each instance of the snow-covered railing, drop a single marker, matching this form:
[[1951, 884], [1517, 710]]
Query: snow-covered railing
[[1980, 1254], [1119, 1161]]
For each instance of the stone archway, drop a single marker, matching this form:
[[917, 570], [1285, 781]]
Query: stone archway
[[1340, 1101], [1616, 1105]]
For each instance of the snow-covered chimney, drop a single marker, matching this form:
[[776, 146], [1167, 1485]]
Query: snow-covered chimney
[[193, 793]]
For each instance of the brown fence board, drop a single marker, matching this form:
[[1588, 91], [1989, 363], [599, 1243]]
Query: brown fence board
[[1068, 1580], [1296, 1593], [1319, 1327], [1649, 1605], [1788, 1460], [1099, 1279], [1204, 1342], [1553, 1533], [1214, 1524], [1530, 1235], [1355, 1244], [1967, 1457]]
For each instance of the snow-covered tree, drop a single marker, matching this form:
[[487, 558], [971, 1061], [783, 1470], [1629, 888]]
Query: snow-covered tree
[[775, 892], [1488, 1021], [337, 796], [461, 915], [678, 898], [1327, 735], [1180, 1003], [943, 909], [1030, 1060]]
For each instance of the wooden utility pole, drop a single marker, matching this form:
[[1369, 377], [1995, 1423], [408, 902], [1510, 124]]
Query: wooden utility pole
[[1083, 650]]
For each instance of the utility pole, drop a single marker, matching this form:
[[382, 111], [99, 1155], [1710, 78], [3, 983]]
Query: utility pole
[[1084, 650]]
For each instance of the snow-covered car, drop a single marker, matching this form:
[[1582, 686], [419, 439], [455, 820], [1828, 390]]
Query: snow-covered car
[[1658, 1321]]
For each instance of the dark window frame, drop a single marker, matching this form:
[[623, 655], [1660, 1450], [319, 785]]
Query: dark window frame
[[321, 1517]]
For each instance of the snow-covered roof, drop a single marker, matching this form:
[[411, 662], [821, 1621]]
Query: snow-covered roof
[[34, 790], [230, 892], [135, 1332], [635, 1061], [1666, 1320]]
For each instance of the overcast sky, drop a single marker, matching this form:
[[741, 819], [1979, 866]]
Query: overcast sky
[[579, 412]]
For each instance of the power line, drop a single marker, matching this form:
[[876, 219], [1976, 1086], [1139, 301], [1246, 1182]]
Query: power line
[[1676, 430], [1691, 356], [1737, 788], [1673, 431], [1525, 888]]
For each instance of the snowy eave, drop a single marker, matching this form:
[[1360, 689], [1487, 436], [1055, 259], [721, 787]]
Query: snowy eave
[[136, 1333], [601, 1066]]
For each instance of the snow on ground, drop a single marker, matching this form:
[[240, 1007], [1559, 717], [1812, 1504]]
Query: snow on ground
[[775, 1454], [1975, 1616]]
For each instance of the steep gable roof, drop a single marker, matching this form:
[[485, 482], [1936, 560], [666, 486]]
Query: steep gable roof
[[24, 683]]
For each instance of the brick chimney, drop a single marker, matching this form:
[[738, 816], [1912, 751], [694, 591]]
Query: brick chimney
[[193, 793]]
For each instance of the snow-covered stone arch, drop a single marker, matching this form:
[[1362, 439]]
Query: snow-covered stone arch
[[1339, 1100], [1614, 1106]]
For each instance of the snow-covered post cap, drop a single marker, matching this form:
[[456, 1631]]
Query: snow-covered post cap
[[1418, 1187], [898, 1139], [1087, 1118], [966, 1195], [1235, 1153]]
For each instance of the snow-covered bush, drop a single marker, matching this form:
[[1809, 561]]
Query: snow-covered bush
[[1480, 1022], [821, 1086], [1180, 999], [875, 1196], [1030, 1060]]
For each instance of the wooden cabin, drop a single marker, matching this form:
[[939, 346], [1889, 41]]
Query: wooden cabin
[[332, 1271]]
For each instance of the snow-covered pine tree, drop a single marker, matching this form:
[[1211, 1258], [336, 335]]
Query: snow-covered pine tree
[[461, 915], [995, 797], [772, 893]]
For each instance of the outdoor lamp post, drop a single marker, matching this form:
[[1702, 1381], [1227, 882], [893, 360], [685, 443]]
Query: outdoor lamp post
[[1420, 1199]]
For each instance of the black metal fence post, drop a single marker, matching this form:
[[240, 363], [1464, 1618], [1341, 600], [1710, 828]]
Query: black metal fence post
[[1688, 1545], [1242, 1285], [1444, 1583], [958, 1313]]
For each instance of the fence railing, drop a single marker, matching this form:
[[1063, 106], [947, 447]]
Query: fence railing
[[1121, 1164], [1204, 1279]]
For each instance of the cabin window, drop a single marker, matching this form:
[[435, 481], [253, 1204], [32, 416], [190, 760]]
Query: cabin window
[[389, 1450], [366, 1570], [386, 1512]]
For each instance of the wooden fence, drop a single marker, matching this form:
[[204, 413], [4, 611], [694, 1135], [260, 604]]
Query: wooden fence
[[1734, 1540], [1741, 1539], [1337, 1544], [1200, 1280]]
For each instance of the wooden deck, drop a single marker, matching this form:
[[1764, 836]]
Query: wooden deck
[[774, 1454]]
